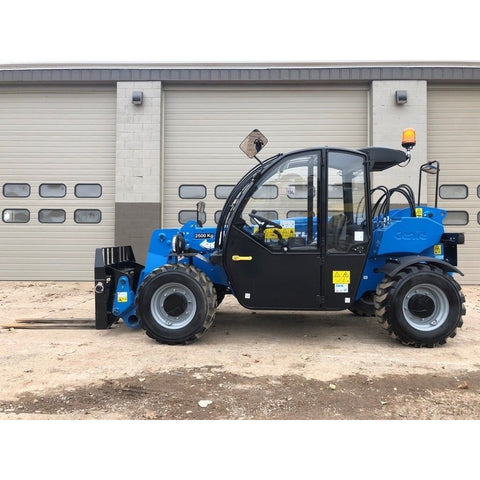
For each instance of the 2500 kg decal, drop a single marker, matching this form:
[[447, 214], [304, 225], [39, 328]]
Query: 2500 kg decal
[[200, 236]]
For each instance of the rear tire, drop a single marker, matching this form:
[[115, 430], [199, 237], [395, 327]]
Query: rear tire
[[422, 305], [364, 306], [176, 304]]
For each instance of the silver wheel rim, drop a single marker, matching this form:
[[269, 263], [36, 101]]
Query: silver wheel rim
[[425, 307], [173, 306]]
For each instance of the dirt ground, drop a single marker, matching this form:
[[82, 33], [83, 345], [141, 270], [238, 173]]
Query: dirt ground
[[249, 365]]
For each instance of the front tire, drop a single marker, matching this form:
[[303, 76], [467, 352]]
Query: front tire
[[176, 304], [422, 305]]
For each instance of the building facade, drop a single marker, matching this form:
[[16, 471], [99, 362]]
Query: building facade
[[96, 156]]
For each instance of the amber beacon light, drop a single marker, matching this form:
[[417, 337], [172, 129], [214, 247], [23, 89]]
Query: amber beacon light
[[408, 138]]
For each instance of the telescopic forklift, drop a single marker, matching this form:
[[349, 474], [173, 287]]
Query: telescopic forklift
[[300, 231]]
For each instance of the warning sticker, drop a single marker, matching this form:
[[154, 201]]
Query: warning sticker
[[437, 249], [271, 234], [341, 277], [341, 288], [419, 212], [122, 297]]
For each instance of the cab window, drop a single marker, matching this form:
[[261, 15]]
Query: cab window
[[346, 223], [281, 211]]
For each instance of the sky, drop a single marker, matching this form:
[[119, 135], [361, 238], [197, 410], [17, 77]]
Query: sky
[[203, 31]]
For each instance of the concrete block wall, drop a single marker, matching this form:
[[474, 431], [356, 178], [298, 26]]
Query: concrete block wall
[[138, 165], [388, 120]]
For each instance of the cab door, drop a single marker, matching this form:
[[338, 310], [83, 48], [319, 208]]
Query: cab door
[[271, 254], [347, 229]]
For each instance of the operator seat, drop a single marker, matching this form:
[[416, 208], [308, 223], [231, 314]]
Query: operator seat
[[335, 230]]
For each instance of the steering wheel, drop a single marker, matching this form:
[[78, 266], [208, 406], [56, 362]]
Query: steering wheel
[[263, 222]]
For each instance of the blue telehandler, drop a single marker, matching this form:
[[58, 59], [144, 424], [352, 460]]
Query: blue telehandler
[[300, 231]]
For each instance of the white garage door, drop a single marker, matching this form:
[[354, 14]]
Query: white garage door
[[454, 140], [204, 127], [57, 174]]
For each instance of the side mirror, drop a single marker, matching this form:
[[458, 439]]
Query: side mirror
[[201, 215], [253, 143], [431, 167]]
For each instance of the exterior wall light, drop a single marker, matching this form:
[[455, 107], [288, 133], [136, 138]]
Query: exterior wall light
[[137, 98], [401, 97]]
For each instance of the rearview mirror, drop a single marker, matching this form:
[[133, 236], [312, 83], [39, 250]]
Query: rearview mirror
[[253, 143], [201, 215], [430, 167]]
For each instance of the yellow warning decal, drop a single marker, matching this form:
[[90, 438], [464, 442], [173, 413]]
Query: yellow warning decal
[[437, 249], [284, 232], [122, 297], [341, 277], [419, 212]]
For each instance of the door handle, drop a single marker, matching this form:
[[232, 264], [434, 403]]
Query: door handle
[[239, 258]]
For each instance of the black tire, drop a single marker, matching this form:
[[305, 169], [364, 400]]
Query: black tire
[[365, 306], [422, 305], [221, 292], [176, 304]]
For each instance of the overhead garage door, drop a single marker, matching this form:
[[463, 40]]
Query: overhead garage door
[[204, 127], [454, 140], [57, 169]]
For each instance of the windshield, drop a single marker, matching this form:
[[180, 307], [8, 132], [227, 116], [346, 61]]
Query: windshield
[[236, 194]]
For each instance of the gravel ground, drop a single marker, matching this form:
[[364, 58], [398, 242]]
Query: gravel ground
[[249, 365]]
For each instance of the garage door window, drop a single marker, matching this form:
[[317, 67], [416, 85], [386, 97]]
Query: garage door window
[[456, 218], [16, 190], [192, 191], [52, 190], [87, 216], [185, 216], [51, 215], [223, 191], [16, 215], [453, 191], [88, 190]]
